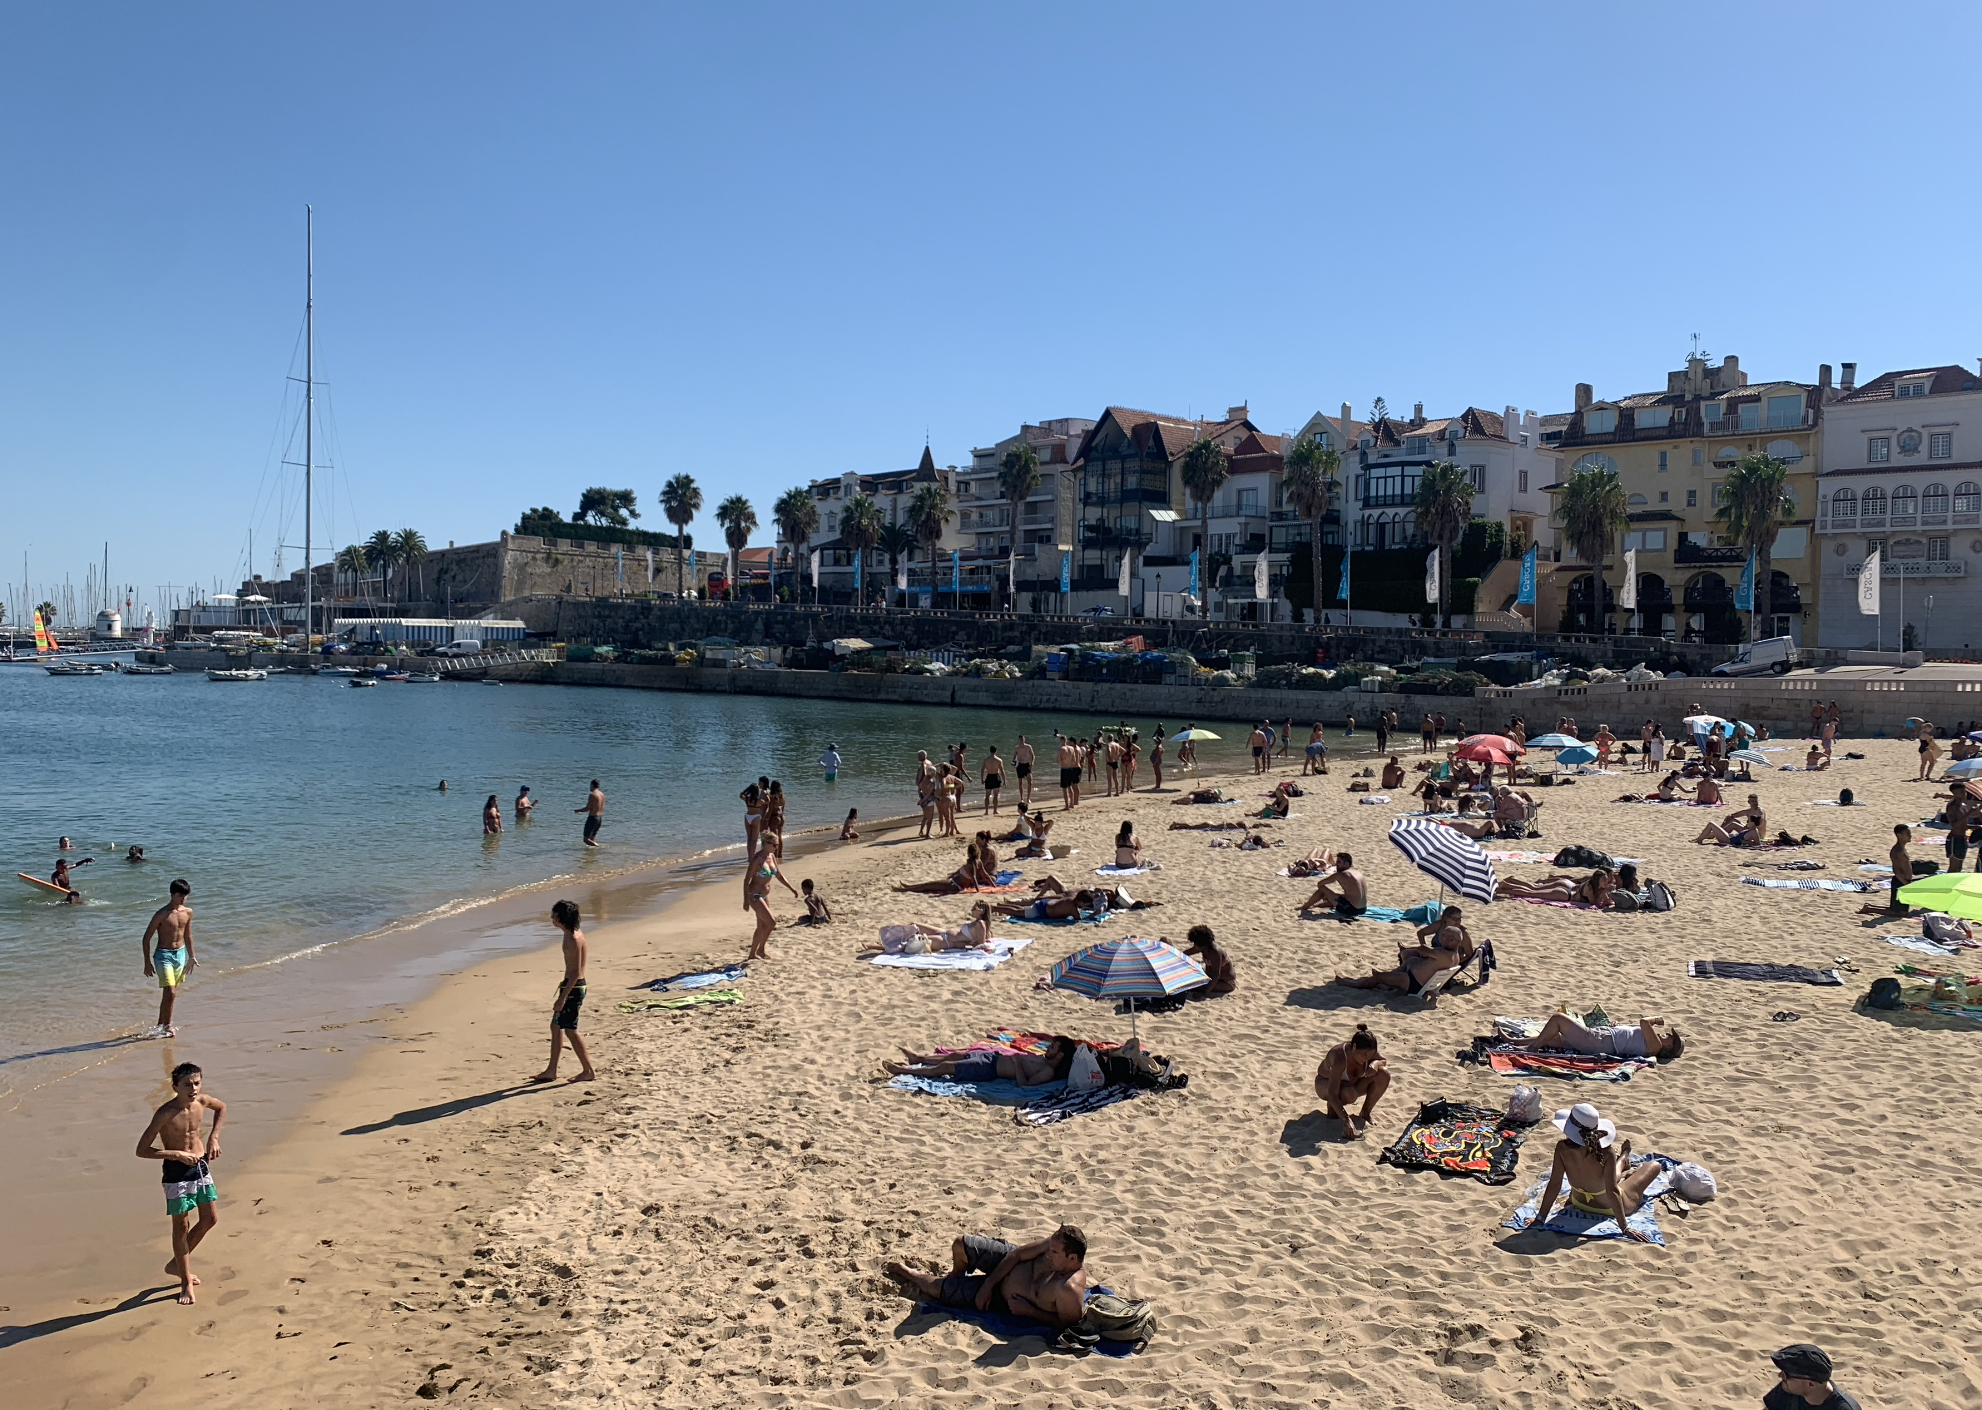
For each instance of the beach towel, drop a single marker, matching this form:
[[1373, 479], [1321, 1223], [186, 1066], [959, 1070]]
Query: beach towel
[[1003, 1092], [1065, 1106], [1003, 1324], [1920, 943], [1141, 870], [1069, 920], [1454, 1138], [1525, 1062], [1820, 883], [1579, 1224], [1424, 913], [1830, 803], [994, 953], [1007, 881], [684, 1001], [1522, 856], [1767, 973], [1559, 905], [728, 974], [1375, 798]]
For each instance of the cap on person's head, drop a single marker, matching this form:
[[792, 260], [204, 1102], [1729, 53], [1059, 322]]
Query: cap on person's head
[[1804, 1360], [1582, 1121]]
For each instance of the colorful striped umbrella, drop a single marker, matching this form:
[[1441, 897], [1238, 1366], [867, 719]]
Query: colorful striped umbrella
[[1129, 968], [1448, 857]]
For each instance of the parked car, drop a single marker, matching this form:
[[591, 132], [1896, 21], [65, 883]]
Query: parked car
[[1771, 654], [466, 646], [1099, 612]]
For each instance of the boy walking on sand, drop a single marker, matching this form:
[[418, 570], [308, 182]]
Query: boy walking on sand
[[174, 1138], [570, 997], [167, 950]]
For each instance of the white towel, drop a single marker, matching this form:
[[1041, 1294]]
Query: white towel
[[1128, 871], [994, 953]]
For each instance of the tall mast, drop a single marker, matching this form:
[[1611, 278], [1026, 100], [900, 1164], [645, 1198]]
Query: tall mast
[[309, 410]]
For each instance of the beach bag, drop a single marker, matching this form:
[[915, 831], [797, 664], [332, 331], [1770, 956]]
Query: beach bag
[[1695, 1183], [1884, 995], [1659, 896], [895, 937], [1577, 855], [1624, 901], [1084, 1075], [1524, 1108], [1109, 1318]]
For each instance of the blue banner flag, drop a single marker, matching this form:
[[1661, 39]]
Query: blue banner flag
[[1194, 587], [858, 563], [1526, 596], [956, 571], [1066, 572], [1343, 593], [1744, 596]]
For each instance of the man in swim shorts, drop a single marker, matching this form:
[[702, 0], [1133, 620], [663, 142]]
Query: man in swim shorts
[[1022, 766], [1343, 890], [570, 997], [1258, 743], [1069, 774], [167, 949], [1044, 1281], [174, 1137], [595, 813]]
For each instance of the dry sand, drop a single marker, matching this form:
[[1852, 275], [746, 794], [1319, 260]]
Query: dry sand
[[706, 1226]]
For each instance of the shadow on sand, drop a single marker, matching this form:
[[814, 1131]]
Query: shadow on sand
[[420, 1115]]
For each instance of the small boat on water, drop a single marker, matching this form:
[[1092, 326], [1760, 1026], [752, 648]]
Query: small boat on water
[[249, 674], [393, 676], [362, 683], [75, 668], [337, 671], [420, 678], [139, 669]]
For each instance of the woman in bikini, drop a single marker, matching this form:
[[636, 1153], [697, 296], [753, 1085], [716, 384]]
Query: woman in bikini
[[753, 816], [1156, 759], [1598, 1172], [971, 935], [774, 815], [1592, 890], [1128, 851], [757, 879], [966, 877], [491, 816], [977, 1065]]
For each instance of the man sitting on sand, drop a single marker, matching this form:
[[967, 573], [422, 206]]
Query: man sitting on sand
[[1648, 1037], [1744, 827], [1350, 1070], [1045, 1281], [1343, 890], [1393, 775], [1600, 1180], [1026, 1069]]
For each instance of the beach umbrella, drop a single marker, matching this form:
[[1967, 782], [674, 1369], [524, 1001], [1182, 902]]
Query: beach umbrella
[[1955, 893], [1129, 968], [1189, 734], [1581, 754], [1700, 724], [1554, 741], [1748, 756], [1450, 858], [1491, 741], [1966, 768], [1975, 736], [1483, 752]]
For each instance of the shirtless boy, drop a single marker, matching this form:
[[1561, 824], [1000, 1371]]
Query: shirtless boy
[[174, 1137], [570, 997], [167, 951], [1045, 1281]]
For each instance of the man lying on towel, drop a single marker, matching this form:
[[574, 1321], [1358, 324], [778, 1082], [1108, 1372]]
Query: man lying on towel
[[1045, 1281], [1648, 1037]]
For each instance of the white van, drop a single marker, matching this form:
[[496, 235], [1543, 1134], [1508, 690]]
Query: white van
[[1771, 654], [463, 646]]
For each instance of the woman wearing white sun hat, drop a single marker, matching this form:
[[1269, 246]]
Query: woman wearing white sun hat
[[1593, 1165]]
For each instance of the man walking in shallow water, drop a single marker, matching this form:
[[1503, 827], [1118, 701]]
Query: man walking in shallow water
[[595, 813]]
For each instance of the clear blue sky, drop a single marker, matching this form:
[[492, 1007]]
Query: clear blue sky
[[574, 245]]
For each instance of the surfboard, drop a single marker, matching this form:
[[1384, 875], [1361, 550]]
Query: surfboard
[[37, 881]]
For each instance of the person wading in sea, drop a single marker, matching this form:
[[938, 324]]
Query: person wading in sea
[[595, 813]]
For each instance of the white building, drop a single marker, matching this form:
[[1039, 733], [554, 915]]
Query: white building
[[1900, 471], [1501, 450], [893, 491], [1049, 520]]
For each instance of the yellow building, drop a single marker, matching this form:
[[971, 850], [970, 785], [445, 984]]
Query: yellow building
[[1671, 450]]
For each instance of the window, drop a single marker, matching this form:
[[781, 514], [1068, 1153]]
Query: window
[[1479, 477], [1788, 452], [1710, 411], [1792, 542], [1751, 416], [1844, 505], [1937, 550], [1879, 449], [1785, 411], [1727, 455], [1599, 421], [1940, 445], [1663, 465], [1699, 456], [1909, 443], [1873, 546], [1873, 502], [1594, 461], [1321, 439], [1692, 499], [1664, 497], [1911, 389], [1248, 501], [1417, 445], [1904, 501], [1934, 500], [1524, 482], [1716, 495], [1637, 499], [1650, 416], [1645, 540], [1967, 497]]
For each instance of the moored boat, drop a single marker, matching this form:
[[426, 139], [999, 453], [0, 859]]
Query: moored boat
[[248, 674]]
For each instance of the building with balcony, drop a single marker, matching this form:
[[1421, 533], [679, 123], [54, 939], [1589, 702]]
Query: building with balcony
[[1501, 450], [1048, 520], [894, 491], [1671, 451], [1901, 474]]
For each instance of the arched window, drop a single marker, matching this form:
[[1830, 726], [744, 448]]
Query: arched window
[[1935, 500], [1873, 503], [1844, 505], [1788, 452], [1967, 497], [1639, 499], [1905, 501], [1594, 461]]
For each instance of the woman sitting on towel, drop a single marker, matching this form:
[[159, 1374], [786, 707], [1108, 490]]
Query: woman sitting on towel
[[966, 877], [1128, 851], [1649, 1037], [1744, 827], [1592, 890], [978, 1066], [1281, 804], [1035, 845], [1436, 800], [1596, 1169], [972, 935]]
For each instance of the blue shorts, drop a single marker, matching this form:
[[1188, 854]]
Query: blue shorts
[[978, 1067]]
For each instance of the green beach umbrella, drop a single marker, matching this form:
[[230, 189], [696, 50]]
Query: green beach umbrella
[[1955, 893]]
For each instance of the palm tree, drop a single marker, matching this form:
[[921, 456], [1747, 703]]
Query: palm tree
[[1444, 506], [1594, 511], [351, 561], [47, 611], [895, 540], [860, 526], [382, 551], [739, 522], [797, 516], [1018, 477], [1205, 469], [1755, 503], [681, 501], [928, 514], [412, 546], [1309, 485]]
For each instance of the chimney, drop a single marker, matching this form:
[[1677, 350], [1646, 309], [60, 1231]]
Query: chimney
[[1236, 413], [1847, 376], [1346, 426], [1417, 413], [1510, 422], [1823, 381], [1585, 394]]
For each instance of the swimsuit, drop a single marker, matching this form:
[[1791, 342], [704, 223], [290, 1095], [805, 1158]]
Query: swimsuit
[[592, 824], [992, 781], [1343, 908], [171, 967], [1591, 1202], [187, 1186], [567, 1016], [1025, 770], [1070, 777], [978, 1067]]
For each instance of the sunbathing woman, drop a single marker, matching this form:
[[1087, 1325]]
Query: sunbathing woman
[[1444, 939], [1199, 795], [1128, 851], [1279, 806], [1234, 826], [971, 935], [1592, 890], [1648, 1037], [964, 878], [1319, 862], [1472, 824], [1435, 800], [977, 1066], [1595, 1170], [1744, 827], [1112, 898]]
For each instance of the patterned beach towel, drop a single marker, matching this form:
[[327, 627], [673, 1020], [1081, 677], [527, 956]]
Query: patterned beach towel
[[1580, 1224], [994, 953], [1522, 1062], [698, 979], [1522, 856], [1920, 943], [1065, 1106], [1003, 1092], [1819, 883], [1454, 1138], [1768, 973]]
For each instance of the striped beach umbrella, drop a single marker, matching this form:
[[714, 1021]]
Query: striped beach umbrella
[[1554, 741], [1130, 968], [1748, 756], [1965, 768], [1448, 857]]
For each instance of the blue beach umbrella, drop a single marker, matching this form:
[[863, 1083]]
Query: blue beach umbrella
[[1450, 858], [1966, 768], [1130, 968], [1580, 754], [1554, 741]]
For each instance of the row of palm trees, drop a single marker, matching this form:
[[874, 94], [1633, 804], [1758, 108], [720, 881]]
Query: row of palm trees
[[864, 528], [383, 552]]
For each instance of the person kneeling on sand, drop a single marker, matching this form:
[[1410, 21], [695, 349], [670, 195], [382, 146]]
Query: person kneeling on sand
[[1902, 864], [1045, 1281], [1598, 1173], [1350, 1070], [1026, 1069], [1648, 1037], [1343, 890]]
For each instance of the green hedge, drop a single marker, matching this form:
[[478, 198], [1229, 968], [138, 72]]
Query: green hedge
[[597, 533]]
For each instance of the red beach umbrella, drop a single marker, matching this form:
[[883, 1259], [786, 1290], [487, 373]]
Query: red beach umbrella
[[1494, 741]]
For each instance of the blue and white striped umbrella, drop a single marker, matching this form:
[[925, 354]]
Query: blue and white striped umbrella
[[1554, 741], [1966, 768], [1450, 858]]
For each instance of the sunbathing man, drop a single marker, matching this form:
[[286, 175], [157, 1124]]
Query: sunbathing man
[[1595, 1170], [1513, 811], [1744, 827], [1045, 1281], [977, 1065], [1445, 939], [1343, 890], [1234, 826], [1350, 1070], [1592, 890], [1648, 1037], [1104, 898], [1472, 824], [1199, 795]]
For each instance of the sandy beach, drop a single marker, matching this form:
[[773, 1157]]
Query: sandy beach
[[706, 1226]]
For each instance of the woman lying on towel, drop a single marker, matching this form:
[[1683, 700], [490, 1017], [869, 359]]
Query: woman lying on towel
[[1647, 1038], [976, 1066], [973, 934], [1592, 890], [1199, 795], [973, 873], [1476, 825], [1208, 827], [1319, 862], [1595, 1168], [1055, 902]]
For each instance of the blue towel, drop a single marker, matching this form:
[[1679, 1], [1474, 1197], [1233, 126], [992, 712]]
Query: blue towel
[[1424, 913], [1003, 1092], [1006, 878], [1003, 1324], [1580, 1224], [728, 974]]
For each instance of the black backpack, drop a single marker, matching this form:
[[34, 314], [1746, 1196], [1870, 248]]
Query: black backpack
[[1577, 855], [1884, 995]]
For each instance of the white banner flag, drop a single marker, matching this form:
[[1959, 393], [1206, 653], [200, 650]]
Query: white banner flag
[[1431, 576], [1868, 586], [1627, 596], [815, 568], [1260, 582], [901, 575], [1122, 586], [650, 567]]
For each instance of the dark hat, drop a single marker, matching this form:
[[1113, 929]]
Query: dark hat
[[1803, 1360]]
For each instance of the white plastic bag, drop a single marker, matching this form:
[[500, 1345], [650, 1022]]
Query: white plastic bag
[[1525, 1106], [1695, 1183], [895, 938], [1085, 1073]]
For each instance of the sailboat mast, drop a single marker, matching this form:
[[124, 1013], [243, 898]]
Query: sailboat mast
[[309, 411]]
